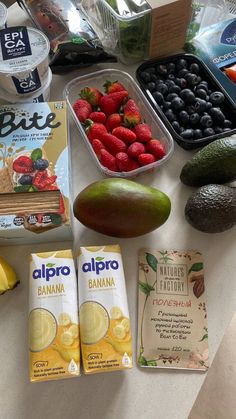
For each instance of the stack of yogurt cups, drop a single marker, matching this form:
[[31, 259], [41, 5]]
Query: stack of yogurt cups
[[25, 75]]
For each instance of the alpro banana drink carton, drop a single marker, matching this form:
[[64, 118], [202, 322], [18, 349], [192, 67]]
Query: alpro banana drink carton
[[105, 330], [54, 350]]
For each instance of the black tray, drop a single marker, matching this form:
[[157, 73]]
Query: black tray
[[228, 107]]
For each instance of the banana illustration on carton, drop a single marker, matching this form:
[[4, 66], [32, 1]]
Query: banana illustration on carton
[[67, 354], [120, 347], [8, 279]]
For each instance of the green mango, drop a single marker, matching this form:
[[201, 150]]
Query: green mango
[[121, 208]]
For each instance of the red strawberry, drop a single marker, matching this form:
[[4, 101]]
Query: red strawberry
[[41, 180], [98, 117], [114, 120], [95, 130], [112, 102], [155, 147], [23, 164], [124, 134], [82, 109], [135, 149], [132, 115], [143, 132], [97, 146], [125, 163], [108, 160], [113, 86], [92, 95], [146, 158], [113, 144]]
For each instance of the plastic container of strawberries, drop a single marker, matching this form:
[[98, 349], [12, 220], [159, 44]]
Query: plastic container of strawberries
[[159, 131]]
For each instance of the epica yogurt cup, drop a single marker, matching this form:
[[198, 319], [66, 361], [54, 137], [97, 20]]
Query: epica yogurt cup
[[3, 15], [24, 63], [41, 95]]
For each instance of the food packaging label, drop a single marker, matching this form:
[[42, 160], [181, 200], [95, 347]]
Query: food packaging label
[[105, 330], [53, 317], [172, 319], [35, 158]]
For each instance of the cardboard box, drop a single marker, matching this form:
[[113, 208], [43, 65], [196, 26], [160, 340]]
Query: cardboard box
[[35, 191]]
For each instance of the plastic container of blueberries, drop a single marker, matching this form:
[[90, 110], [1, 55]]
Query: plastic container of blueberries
[[159, 131], [228, 107]]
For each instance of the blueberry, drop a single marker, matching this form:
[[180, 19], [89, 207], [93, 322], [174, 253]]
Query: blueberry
[[181, 82], [170, 115], [40, 164], [182, 73], [162, 88], [206, 121], [200, 105], [203, 85], [184, 117], [171, 96], [178, 104], [26, 180], [166, 105], [151, 86], [208, 132], [180, 64], [197, 134], [170, 67], [192, 79], [194, 118], [199, 79], [169, 83], [190, 109], [175, 89], [171, 77], [188, 96], [217, 98], [208, 106], [151, 70], [159, 98], [217, 116], [201, 93], [218, 130], [145, 76], [154, 77], [176, 126], [194, 68], [227, 124], [160, 81], [162, 70], [188, 134]]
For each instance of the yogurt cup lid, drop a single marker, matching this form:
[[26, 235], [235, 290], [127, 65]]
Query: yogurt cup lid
[[3, 14], [22, 49], [25, 97]]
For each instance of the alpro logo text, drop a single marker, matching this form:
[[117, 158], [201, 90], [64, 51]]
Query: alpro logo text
[[99, 264], [49, 271]]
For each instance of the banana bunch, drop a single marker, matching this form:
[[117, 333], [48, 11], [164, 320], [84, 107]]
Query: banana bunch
[[8, 279]]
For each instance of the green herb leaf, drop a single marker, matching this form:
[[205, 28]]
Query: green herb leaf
[[36, 154], [204, 337], [152, 261], [196, 267], [22, 188], [50, 265], [145, 287], [152, 363], [142, 361], [99, 258], [33, 188]]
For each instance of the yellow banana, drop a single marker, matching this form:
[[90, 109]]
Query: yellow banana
[[120, 347], [8, 279], [67, 354]]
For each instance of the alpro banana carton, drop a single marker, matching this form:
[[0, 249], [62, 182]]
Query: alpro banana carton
[[105, 330], [35, 185], [54, 350]]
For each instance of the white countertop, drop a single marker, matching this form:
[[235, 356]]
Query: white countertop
[[146, 394]]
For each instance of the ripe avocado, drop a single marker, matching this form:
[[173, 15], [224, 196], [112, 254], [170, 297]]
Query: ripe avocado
[[215, 163], [212, 208], [121, 208]]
